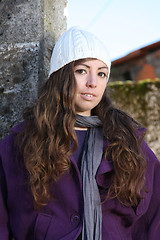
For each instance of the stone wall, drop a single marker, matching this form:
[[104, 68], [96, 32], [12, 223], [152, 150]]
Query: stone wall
[[28, 31], [142, 101]]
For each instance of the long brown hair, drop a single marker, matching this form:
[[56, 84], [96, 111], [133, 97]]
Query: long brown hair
[[124, 137], [49, 133]]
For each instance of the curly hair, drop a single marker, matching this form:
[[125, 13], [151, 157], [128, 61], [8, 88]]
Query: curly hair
[[121, 131], [49, 132]]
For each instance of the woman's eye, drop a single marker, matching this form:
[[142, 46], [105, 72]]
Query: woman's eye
[[102, 74], [81, 71]]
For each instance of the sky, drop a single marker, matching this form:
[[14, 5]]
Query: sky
[[122, 25]]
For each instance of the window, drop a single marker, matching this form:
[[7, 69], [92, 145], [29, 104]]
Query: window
[[127, 76]]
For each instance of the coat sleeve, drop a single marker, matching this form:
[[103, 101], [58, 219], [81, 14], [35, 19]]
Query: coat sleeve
[[4, 219], [153, 179]]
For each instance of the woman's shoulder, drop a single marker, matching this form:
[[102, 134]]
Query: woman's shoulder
[[141, 131], [7, 143], [145, 148], [148, 153], [152, 166], [19, 127]]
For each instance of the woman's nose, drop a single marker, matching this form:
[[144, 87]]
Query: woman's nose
[[92, 81]]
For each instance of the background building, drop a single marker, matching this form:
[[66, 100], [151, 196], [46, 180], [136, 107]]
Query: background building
[[141, 64]]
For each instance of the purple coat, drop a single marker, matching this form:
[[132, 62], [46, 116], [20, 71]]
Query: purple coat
[[61, 218]]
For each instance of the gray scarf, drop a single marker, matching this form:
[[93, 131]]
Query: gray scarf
[[91, 158]]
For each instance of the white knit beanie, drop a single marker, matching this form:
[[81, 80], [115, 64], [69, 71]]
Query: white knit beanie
[[77, 44]]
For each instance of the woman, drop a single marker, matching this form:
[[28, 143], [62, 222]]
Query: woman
[[78, 168]]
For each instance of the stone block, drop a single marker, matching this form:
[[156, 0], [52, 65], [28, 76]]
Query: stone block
[[28, 31]]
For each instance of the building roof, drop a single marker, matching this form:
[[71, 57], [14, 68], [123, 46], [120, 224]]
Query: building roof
[[136, 54]]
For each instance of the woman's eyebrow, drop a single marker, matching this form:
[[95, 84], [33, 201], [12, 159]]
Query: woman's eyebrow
[[82, 64], [103, 67], [89, 66]]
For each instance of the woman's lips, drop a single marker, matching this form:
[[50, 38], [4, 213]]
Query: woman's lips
[[88, 96]]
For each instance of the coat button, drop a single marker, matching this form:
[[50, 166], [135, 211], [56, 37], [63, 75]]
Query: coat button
[[75, 217]]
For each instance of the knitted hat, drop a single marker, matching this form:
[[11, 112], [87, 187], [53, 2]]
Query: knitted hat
[[77, 44]]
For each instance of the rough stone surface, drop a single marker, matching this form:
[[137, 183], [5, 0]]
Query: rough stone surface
[[20, 21], [142, 101], [19, 89], [28, 31]]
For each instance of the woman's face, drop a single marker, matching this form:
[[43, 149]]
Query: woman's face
[[91, 80]]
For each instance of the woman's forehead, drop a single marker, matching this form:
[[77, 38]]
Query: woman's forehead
[[81, 61]]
